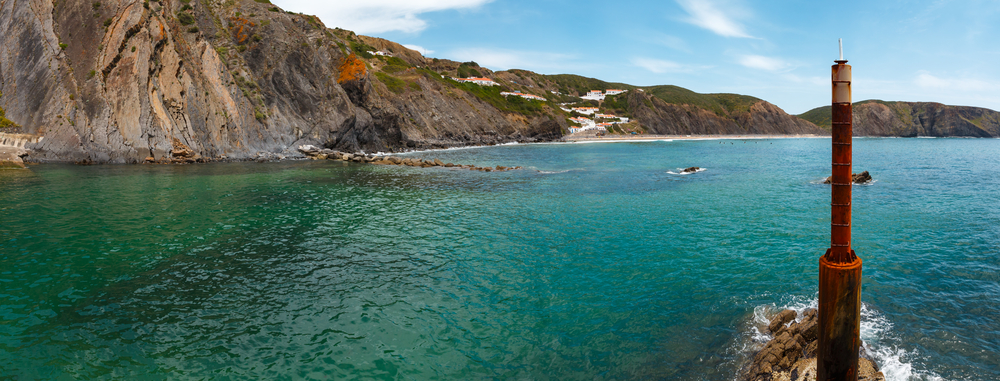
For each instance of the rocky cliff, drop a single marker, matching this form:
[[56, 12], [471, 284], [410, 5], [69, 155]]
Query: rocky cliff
[[128, 81], [908, 119]]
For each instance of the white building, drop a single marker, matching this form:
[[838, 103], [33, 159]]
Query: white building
[[478, 81], [585, 124], [585, 110], [523, 95], [596, 95], [380, 53], [604, 116], [614, 92]]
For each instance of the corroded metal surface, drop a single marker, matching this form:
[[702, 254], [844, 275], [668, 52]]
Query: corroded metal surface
[[840, 269]]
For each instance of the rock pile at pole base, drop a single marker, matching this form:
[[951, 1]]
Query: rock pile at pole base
[[791, 353], [316, 153]]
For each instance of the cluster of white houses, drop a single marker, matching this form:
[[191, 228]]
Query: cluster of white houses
[[585, 123], [590, 124], [599, 95], [523, 95], [478, 81]]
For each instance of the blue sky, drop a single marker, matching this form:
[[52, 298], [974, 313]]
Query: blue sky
[[780, 51]]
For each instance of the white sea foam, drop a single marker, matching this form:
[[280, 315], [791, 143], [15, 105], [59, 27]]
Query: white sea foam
[[876, 333], [680, 171], [621, 141]]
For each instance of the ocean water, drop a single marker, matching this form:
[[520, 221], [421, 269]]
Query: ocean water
[[598, 262]]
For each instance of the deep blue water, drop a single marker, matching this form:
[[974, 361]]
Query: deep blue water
[[596, 262]]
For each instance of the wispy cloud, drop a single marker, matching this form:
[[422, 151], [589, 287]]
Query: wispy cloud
[[375, 16], [707, 15], [418, 48], [504, 59], [672, 42], [926, 80], [763, 63], [659, 66]]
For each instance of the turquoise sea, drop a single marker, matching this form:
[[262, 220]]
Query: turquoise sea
[[596, 262]]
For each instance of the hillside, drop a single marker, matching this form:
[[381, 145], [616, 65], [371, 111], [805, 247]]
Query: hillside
[[128, 81], [909, 119]]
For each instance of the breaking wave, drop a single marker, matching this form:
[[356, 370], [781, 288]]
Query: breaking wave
[[877, 335]]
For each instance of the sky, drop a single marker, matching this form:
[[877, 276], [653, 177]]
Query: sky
[[779, 51]]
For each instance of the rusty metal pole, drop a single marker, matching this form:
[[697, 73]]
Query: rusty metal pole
[[840, 268]]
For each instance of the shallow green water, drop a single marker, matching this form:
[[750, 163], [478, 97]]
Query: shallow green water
[[596, 263]]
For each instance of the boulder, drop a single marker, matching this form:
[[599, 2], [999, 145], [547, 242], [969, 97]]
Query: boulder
[[856, 178], [438, 162], [309, 150], [690, 170], [779, 321], [10, 158]]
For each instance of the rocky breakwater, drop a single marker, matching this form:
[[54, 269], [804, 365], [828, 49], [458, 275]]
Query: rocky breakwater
[[317, 153], [791, 353]]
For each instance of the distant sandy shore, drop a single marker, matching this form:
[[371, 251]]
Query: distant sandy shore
[[647, 137]]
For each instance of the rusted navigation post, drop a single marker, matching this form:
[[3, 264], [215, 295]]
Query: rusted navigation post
[[840, 268]]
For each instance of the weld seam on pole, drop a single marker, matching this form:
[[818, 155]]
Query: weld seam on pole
[[841, 225], [847, 204]]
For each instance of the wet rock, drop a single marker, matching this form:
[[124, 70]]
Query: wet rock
[[856, 178], [779, 321], [791, 354], [690, 170], [438, 162]]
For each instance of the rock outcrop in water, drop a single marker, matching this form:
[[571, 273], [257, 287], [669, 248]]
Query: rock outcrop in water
[[856, 178], [317, 153], [791, 353], [131, 81]]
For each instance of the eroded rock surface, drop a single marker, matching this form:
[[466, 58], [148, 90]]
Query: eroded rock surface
[[791, 354]]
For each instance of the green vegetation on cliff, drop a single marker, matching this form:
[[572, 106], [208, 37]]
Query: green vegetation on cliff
[[721, 104], [819, 116], [4, 122], [579, 85]]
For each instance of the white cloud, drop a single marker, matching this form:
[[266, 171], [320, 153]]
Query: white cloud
[[706, 15], [419, 48], [658, 66], [763, 63], [926, 80], [375, 16]]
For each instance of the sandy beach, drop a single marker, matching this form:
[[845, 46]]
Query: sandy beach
[[592, 137]]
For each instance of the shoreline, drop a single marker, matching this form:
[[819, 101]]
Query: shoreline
[[639, 138]]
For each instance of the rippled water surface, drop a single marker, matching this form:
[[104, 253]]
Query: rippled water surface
[[594, 263]]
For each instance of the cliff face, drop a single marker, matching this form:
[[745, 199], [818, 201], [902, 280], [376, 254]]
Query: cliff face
[[908, 119], [760, 117], [127, 80]]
